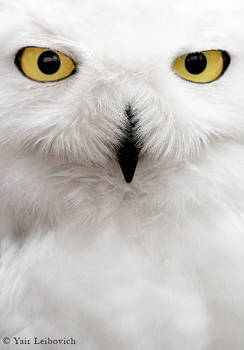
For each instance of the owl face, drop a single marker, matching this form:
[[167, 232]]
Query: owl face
[[109, 83]]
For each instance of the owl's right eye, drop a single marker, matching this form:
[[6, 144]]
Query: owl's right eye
[[44, 65]]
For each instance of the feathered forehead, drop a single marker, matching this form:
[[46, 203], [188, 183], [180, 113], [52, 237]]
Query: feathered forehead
[[132, 27], [186, 15]]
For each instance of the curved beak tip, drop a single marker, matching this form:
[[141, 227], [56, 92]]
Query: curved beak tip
[[128, 151], [129, 169]]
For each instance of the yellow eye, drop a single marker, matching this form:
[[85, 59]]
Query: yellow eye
[[202, 67], [44, 65]]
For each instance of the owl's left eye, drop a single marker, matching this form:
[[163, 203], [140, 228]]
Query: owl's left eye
[[202, 67], [44, 65]]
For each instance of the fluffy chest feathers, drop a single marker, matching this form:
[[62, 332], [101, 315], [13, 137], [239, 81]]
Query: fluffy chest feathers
[[128, 264]]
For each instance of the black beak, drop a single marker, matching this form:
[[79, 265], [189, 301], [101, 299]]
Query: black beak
[[129, 149]]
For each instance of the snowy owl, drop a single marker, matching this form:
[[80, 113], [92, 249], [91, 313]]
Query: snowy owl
[[122, 174]]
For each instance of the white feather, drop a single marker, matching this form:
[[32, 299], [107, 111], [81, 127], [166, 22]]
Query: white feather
[[157, 264]]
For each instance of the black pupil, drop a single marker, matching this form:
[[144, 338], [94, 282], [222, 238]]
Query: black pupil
[[196, 63], [49, 62]]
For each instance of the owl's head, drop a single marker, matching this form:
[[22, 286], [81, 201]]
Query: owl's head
[[102, 83]]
